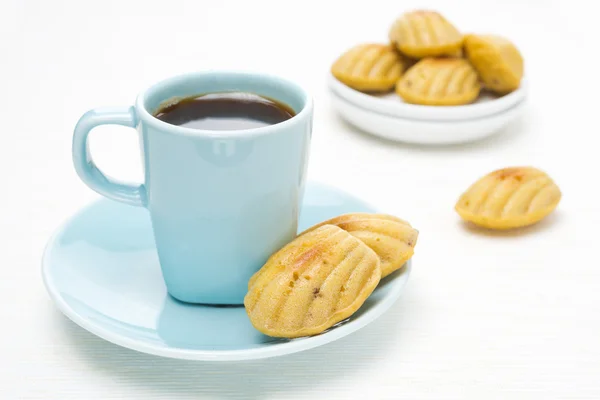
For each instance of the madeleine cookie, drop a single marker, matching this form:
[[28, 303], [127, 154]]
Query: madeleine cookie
[[457, 54], [439, 82], [497, 60], [425, 33], [391, 238], [509, 198], [369, 67], [311, 284]]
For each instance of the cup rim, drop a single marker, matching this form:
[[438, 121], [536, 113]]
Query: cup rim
[[147, 117]]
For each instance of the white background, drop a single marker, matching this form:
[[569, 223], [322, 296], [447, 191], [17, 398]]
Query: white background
[[485, 315]]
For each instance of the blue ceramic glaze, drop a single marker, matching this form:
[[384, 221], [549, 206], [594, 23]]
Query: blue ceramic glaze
[[220, 202], [102, 271]]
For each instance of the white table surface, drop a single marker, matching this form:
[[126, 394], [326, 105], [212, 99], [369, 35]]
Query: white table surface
[[507, 315]]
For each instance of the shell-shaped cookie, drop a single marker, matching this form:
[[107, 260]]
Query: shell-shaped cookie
[[391, 238], [424, 33], [439, 82], [369, 67], [509, 198], [497, 60], [312, 283]]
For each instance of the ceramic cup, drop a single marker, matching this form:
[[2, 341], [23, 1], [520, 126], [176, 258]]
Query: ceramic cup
[[220, 202]]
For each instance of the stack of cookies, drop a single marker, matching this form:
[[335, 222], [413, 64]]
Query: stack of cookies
[[326, 274], [418, 86], [429, 62]]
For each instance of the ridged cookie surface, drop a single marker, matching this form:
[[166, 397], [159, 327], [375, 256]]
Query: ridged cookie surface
[[498, 61], [439, 81], [425, 33], [314, 282], [369, 67], [391, 238], [509, 198]]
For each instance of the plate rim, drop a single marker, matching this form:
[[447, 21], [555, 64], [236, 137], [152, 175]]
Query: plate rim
[[422, 138], [293, 346], [425, 113]]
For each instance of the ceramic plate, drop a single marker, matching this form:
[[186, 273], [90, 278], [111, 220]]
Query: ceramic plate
[[102, 271], [391, 104], [424, 132]]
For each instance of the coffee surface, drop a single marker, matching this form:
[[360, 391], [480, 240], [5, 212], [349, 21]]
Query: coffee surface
[[225, 111]]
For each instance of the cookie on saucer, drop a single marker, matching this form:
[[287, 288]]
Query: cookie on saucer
[[392, 239], [312, 283]]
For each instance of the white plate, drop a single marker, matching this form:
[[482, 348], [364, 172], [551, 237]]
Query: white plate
[[391, 104], [424, 132]]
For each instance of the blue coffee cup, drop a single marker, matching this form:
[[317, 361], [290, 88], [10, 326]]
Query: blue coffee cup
[[220, 202]]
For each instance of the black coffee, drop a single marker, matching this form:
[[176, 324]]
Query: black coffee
[[225, 112]]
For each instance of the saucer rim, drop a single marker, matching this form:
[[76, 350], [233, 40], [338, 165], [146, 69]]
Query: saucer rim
[[292, 346]]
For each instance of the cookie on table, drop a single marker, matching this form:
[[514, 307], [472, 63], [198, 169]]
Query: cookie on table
[[497, 61], [439, 81], [425, 33], [312, 283], [391, 238], [509, 198], [369, 67]]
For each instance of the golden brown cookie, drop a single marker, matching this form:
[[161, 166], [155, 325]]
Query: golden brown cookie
[[509, 198], [457, 54], [439, 82], [369, 67], [497, 61], [311, 284], [424, 33], [392, 239]]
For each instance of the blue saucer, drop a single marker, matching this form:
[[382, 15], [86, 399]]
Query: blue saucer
[[102, 271]]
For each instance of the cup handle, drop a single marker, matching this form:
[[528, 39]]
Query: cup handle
[[85, 166]]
